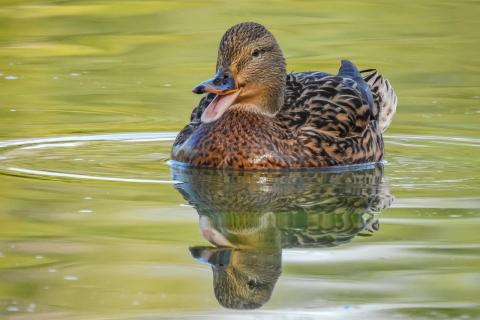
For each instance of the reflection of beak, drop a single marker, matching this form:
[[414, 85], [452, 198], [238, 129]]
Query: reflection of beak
[[221, 84], [216, 257]]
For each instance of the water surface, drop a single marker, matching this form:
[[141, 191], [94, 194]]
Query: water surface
[[95, 223]]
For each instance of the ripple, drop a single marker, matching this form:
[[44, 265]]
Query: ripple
[[474, 142], [87, 177], [142, 157], [126, 137], [121, 157]]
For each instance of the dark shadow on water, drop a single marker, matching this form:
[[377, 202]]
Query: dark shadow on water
[[249, 217]]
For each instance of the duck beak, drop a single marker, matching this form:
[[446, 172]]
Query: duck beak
[[219, 258], [223, 85]]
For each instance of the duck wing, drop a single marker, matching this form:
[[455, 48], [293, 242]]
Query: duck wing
[[339, 105]]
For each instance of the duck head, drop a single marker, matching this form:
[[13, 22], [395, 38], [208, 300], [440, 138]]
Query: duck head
[[251, 73]]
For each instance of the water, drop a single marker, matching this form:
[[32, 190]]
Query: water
[[96, 224]]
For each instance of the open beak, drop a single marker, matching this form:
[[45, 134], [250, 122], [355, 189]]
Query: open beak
[[217, 257], [223, 85]]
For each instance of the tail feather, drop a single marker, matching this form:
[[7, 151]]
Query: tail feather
[[383, 95], [349, 70]]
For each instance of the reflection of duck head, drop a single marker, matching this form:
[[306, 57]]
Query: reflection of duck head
[[250, 216], [246, 263]]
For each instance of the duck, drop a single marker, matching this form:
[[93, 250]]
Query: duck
[[254, 115]]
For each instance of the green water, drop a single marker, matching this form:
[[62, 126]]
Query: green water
[[95, 225]]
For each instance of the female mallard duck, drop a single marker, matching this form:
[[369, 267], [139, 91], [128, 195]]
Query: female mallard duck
[[255, 116]]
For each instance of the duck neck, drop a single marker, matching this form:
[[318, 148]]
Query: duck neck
[[274, 98], [265, 99], [275, 85]]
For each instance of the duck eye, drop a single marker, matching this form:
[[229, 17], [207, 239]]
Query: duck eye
[[252, 284], [256, 53]]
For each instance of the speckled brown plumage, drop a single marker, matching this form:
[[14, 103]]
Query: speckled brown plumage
[[323, 120]]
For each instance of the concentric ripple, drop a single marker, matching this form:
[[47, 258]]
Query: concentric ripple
[[141, 157], [122, 157]]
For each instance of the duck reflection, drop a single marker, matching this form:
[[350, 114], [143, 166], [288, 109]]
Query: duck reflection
[[249, 217]]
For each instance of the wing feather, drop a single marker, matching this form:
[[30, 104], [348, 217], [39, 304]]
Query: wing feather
[[327, 103]]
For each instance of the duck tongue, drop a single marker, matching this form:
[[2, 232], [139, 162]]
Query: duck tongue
[[211, 234], [218, 106]]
